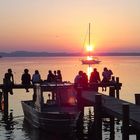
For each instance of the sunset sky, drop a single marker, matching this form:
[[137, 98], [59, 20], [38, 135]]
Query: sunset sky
[[61, 25]]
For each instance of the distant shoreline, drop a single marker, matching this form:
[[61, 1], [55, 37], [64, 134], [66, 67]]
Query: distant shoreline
[[64, 54]]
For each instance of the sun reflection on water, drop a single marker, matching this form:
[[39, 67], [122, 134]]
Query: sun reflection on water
[[89, 70]]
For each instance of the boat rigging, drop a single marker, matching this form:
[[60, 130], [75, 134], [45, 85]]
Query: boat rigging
[[90, 59]]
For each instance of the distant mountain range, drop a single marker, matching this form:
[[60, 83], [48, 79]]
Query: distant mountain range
[[35, 54], [55, 54]]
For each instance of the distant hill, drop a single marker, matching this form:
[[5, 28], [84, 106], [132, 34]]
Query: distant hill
[[55, 54], [36, 54]]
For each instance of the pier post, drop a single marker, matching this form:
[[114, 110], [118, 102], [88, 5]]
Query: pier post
[[125, 123], [34, 93], [6, 105], [79, 100], [137, 98], [137, 136], [98, 117], [0, 100], [112, 132], [80, 108], [112, 91], [117, 88], [137, 102]]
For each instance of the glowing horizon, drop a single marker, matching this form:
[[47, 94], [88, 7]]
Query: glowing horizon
[[61, 26]]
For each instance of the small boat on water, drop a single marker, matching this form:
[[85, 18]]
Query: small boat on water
[[54, 108], [89, 60]]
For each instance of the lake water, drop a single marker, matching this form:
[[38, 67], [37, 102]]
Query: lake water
[[127, 68]]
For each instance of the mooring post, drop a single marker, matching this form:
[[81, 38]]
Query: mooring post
[[125, 123], [0, 100], [98, 117], [112, 132], [137, 102], [6, 101], [137, 98], [137, 136], [81, 109], [117, 88], [34, 93], [112, 91], [79, 99]]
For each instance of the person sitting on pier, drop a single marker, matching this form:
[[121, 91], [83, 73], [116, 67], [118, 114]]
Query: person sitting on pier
[[78, 80], [50, 76], [36, 78], [95, 79], [59, 76], [26, 79], [84, 80], [106, 77], [110, 73], [8, 81], [55, 75]]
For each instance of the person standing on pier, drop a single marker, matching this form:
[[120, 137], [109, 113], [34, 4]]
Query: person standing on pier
[[26, 79], [8, 81]]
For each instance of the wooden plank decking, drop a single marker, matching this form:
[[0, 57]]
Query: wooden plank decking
[[16, 86], [113, 107]]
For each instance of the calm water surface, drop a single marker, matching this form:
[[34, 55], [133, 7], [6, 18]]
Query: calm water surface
[[127, 68]]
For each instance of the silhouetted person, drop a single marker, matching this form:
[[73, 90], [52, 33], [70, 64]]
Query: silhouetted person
[[84, 80], [106, 77], [112, 81], [59, 76], [55, 76], [95, 79], [78, 80], [50, 76], [36, 78], [26, 79], [8, 81], [110, 73]]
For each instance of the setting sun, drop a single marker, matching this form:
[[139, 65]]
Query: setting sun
[[89, 48]]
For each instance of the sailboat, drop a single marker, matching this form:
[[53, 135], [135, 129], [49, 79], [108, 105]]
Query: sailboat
[[90, 59]]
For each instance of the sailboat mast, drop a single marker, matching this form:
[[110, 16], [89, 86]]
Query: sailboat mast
[[89, 42], [89, 39]]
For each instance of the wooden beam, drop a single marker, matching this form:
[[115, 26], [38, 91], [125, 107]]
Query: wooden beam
[[125, 125], [98, 117]]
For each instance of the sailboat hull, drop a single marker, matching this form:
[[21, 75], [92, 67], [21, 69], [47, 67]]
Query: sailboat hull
[[90, 62]]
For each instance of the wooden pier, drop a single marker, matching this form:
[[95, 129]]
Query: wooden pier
[[110, 107], [104, 106]]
